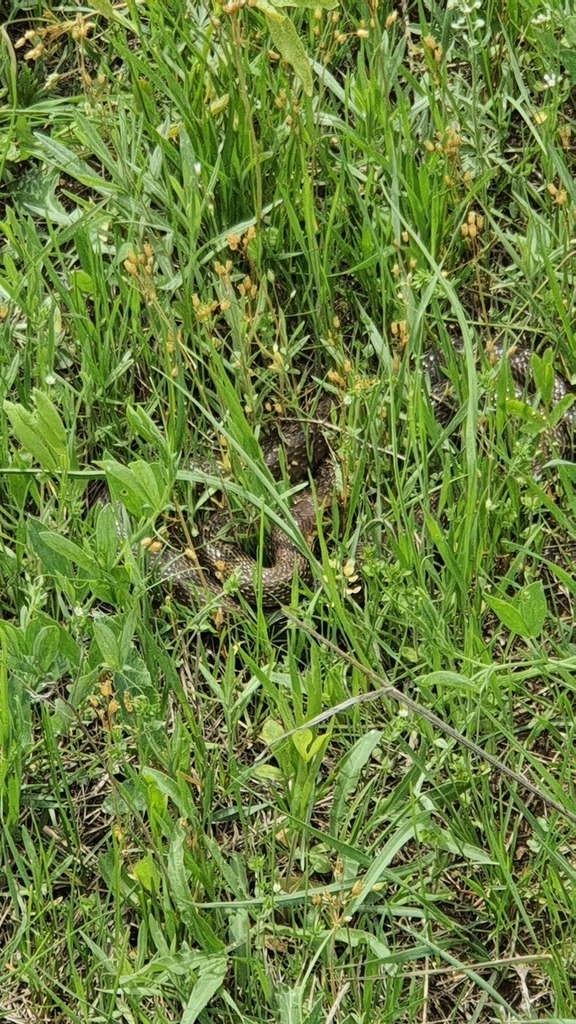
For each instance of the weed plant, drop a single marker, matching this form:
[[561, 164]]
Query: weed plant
[[210, 813]]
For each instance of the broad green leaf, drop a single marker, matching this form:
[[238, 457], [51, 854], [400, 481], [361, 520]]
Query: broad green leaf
[[211, 974], [134, 486], [46, 645], [146, 477], [41, 432], [83, 282], [269, 773], [126, 637], [25, 427], [166, 787], [317, 745], [219, 104], [559, 411], [306, 745], [349, 774], [50, 423], [53, 562], [272, 735], [269, 9], [509, 615], [531, 603], [290, 46], [107, 10], [107, 645], [70, 649], [543, 371], [405, 833], [320, 862], [66, 547], [63, 717], [144, 426], [302, 741], [290, 1001], [107, 534], [532, 419], [179, 875], [157, 935], [445, 679], [146, 872], [442, 839], [181, 888], [272, 732], [355, 937], [54, 152], [124, 486], [525, 613]]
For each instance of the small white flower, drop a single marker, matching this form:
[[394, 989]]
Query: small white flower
[[50, 379], [550, 80]]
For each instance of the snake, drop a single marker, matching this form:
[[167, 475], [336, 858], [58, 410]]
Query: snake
[[303, 456], [306, 457]]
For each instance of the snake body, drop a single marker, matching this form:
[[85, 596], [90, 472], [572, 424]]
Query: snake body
[[306, 455], [303, 455], [519, 359]]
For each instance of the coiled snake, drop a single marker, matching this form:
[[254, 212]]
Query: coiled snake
[[304, 458]]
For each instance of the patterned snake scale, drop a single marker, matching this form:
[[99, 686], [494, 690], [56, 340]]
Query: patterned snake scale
[[304, 458]]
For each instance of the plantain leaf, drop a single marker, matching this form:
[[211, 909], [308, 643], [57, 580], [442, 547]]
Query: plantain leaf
[[350, 770], [543, 370], [146, 872], [135, 486], [107, 645], [67, 548], [49, 422], [525, 614], [559, 411], [211, 974], [531, 602], [25, 427], [142, 424], [270, 10], [291, 48], [41, 432]]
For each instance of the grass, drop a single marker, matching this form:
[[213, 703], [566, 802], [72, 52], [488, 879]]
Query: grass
[[189, 242]]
